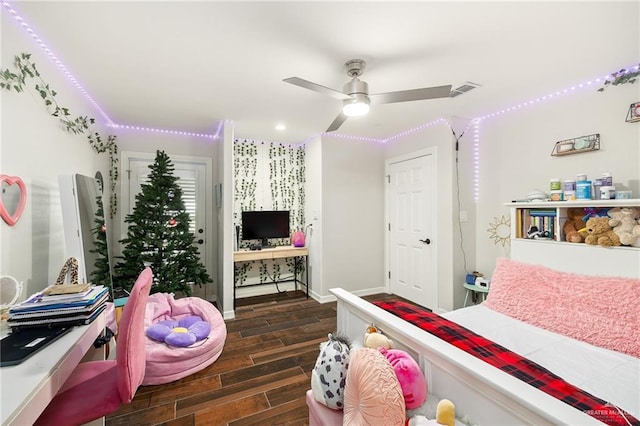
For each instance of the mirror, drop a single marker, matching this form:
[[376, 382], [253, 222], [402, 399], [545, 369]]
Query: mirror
[[86, 235], [13, 197]]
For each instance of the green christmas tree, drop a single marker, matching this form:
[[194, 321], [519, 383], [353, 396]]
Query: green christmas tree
[[159, 236], [101, 274]]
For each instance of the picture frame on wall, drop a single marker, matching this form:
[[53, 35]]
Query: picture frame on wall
[[634, 113], [576, 145]]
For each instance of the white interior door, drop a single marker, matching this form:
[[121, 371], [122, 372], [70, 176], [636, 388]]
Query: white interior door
[[411, 198], [192, 179]]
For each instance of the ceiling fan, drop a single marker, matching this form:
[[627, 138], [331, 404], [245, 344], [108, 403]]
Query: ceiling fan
[[355, 93]]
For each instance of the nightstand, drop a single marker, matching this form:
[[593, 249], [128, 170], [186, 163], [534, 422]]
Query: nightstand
[[475, 289]]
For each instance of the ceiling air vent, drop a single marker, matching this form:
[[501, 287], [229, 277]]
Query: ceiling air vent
[[464, 88]]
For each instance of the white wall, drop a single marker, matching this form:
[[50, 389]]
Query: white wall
[[225, 220], [352, 216], [515, 152], [314, 216], [36, 148]]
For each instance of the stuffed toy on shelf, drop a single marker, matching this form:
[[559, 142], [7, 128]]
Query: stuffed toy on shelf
[[600, 233], [623, 221], [574, 228]]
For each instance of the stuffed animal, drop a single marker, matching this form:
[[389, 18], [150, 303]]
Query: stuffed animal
[[412, 381], [623, 220], [374, 339], [329, 375], [182, 333], [445, 416], [600, 233], [574, 228], [636, 232]]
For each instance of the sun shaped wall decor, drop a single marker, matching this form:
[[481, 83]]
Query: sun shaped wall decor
[[500, 230]]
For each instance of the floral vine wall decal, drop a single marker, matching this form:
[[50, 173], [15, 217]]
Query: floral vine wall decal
[[16, 81], [623, 76], [268, 176]]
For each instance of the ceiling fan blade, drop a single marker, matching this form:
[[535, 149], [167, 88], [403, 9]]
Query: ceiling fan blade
[[341, 118], [296, 81], [411, 95]]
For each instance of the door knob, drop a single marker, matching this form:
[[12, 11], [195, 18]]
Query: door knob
[[200, 241], [200, 231], [426, 241]]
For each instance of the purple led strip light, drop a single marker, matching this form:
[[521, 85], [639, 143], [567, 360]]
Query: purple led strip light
[[476, 160], [172, 132], [416, 129], [555, 94], [55, 59], [355, 138], [476, 121], [82, 90]]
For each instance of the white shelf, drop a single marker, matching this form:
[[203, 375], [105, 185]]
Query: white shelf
[[633, 202], [623, 261]]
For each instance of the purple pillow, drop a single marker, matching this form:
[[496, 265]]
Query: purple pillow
[[181, 333]]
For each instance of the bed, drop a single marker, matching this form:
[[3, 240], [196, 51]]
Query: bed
[[486, 395]]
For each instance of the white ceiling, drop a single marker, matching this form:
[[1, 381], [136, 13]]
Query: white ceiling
[[187, 65]]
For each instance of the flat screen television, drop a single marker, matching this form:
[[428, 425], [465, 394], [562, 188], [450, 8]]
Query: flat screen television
[[264, 224]]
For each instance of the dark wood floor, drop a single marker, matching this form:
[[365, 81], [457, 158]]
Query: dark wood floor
[[260, 378]]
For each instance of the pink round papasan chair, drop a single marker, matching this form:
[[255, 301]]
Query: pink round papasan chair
[[167, 363]]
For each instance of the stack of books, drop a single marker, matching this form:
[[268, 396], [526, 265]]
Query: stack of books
[[544, 221], [57, 307]]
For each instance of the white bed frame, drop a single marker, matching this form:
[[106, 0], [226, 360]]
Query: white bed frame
[[481, 392]]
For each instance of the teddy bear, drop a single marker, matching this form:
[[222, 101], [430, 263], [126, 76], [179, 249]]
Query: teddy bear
[[574, 228], [623, 221], [374, 339], [600, 233], [636, 232]]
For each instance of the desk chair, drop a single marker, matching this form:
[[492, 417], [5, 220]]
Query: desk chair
[[98, 388]]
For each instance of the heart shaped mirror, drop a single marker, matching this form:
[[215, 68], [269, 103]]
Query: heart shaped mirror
[[13, 198]]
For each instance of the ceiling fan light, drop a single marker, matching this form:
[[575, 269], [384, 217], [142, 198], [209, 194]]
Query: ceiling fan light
[[356, 107]]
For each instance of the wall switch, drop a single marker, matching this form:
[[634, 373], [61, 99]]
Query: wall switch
[[464, 216]]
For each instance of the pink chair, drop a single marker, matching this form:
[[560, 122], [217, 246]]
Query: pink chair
[[98, 388]]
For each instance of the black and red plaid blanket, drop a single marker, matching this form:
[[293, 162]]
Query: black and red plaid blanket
[[509, 362]]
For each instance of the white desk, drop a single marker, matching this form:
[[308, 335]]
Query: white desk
[[28, 388], [270, 253]]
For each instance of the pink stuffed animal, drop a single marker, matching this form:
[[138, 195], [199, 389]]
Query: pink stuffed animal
[[412, 382]]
